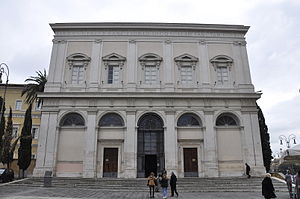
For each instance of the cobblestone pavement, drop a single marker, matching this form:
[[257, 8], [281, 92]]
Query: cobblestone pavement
[[14, 192]]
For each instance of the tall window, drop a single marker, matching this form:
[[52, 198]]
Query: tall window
[[150, 65], [18, 105], [34, 132], [114, 64], [186, 65], [222, 65], [150, 74], [77, 65]]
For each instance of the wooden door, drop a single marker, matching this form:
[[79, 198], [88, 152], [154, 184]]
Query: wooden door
[[190, 162], [110, 162]]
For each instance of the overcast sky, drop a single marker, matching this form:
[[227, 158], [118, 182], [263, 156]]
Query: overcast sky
[[273, 40]]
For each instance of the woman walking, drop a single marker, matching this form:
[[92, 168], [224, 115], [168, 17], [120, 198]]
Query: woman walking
[[164, 185], [173, 181], [151, 184], [267, 187]]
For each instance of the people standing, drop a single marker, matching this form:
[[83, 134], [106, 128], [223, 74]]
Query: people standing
[[164, 185], [173, 181], [267, 187], [297, 188], [151, 184], [248, 170], [289, 181]]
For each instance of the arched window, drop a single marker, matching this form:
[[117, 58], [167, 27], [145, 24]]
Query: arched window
[[72, 119], [227, 119], [189, 119], [111, 119], [77, 64]]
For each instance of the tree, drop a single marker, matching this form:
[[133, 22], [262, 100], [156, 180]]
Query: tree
[[2, 128], [265, 140], [24, 152], [36, 84], [7, 138]]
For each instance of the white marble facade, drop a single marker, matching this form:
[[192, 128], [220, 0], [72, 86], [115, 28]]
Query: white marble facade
[[123, 99]]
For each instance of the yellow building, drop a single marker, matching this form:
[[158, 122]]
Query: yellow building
[[17, 102]]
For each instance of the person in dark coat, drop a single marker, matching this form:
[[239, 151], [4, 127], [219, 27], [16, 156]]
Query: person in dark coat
[[248, 170], [164, 185], [173, 181], [297, 182], [267, 187]]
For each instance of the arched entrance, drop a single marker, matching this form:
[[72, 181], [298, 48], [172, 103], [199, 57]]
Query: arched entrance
[[150, 155]]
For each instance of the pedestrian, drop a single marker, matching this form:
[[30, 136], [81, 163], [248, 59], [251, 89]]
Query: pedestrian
[[267, 187], [173, 181], [297, 188], [151, 184], [164, 185], [289, 181], [248, 170]]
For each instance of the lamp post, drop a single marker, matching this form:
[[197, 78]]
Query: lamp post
[[3, 70], [287, 140]]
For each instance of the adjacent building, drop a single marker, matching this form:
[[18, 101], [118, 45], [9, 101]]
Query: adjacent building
[[125, 99], [17, 102]]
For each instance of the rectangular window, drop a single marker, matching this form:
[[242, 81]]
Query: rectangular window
[[34, 132], [77, 74], [38, 107], [15, 132], [18, 105], [150, 74], [113, 75], [186, 74], [222, 74]]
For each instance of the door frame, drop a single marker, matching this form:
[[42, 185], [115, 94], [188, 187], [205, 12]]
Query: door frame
[[100, 157], [200, 155]]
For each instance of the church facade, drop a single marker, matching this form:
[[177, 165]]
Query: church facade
[[126, 99]]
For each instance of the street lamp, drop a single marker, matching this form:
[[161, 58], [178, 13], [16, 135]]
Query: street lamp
[[287, 140], [3, 70]]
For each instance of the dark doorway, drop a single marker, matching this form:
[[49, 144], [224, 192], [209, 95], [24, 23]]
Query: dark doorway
[[110, 162], [150, 156], [150, 164], [190, 162]]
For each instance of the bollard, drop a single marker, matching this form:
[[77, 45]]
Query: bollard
[[48, 179]]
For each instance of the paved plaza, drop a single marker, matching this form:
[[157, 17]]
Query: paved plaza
[[16, 192]]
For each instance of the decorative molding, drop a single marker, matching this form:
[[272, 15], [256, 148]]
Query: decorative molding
[[221, 61], [186, 60], [78, 57], [168, 41], [58, 41], [240, 43], [132, 41], [98, 41], [113, 59], [202, 42]]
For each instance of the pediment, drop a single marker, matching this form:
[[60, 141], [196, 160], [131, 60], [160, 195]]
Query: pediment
[[114, 57], [186, 58], [221, 59], [78, 57], [150, 57]]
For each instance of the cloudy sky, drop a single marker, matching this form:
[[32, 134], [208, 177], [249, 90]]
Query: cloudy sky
[[273, 40]]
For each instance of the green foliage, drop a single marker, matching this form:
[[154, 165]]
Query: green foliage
[[36, 85], [265, 140], [6, 152], [24, 152]]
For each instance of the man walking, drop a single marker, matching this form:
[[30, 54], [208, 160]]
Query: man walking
[[248, 170], [173, 182], [289, 181]]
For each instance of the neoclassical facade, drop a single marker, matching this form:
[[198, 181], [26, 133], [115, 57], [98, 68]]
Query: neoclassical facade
[[125, 99]]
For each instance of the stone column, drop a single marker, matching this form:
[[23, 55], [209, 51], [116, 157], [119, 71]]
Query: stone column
[[131, 66], [95, 65], [89, 161], [204, 65], [171, 149], [210, 147], [130, 146], [168, 77]]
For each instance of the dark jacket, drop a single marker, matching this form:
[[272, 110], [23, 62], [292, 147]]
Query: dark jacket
[[268, 188], [164, 182], [173, 180]]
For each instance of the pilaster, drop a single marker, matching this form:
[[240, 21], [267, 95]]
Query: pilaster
[[95, 65], [205, 78], [168, 74], [131, 66], [171, 148]]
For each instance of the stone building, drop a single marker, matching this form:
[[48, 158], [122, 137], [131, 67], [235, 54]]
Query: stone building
[[125, 99]]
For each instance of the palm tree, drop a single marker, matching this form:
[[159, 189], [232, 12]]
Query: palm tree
[[36, 85]]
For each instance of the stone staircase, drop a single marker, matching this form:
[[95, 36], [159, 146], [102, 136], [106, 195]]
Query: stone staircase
[[235, 184]]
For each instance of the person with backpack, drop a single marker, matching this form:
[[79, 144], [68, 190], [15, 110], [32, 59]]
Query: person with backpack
[[151, 184]]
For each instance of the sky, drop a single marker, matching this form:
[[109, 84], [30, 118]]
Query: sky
[[273, 41]]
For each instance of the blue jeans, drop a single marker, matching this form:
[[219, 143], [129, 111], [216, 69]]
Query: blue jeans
[[165, 191]]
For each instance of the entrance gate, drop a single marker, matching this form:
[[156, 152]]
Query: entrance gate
[[150, 156]]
